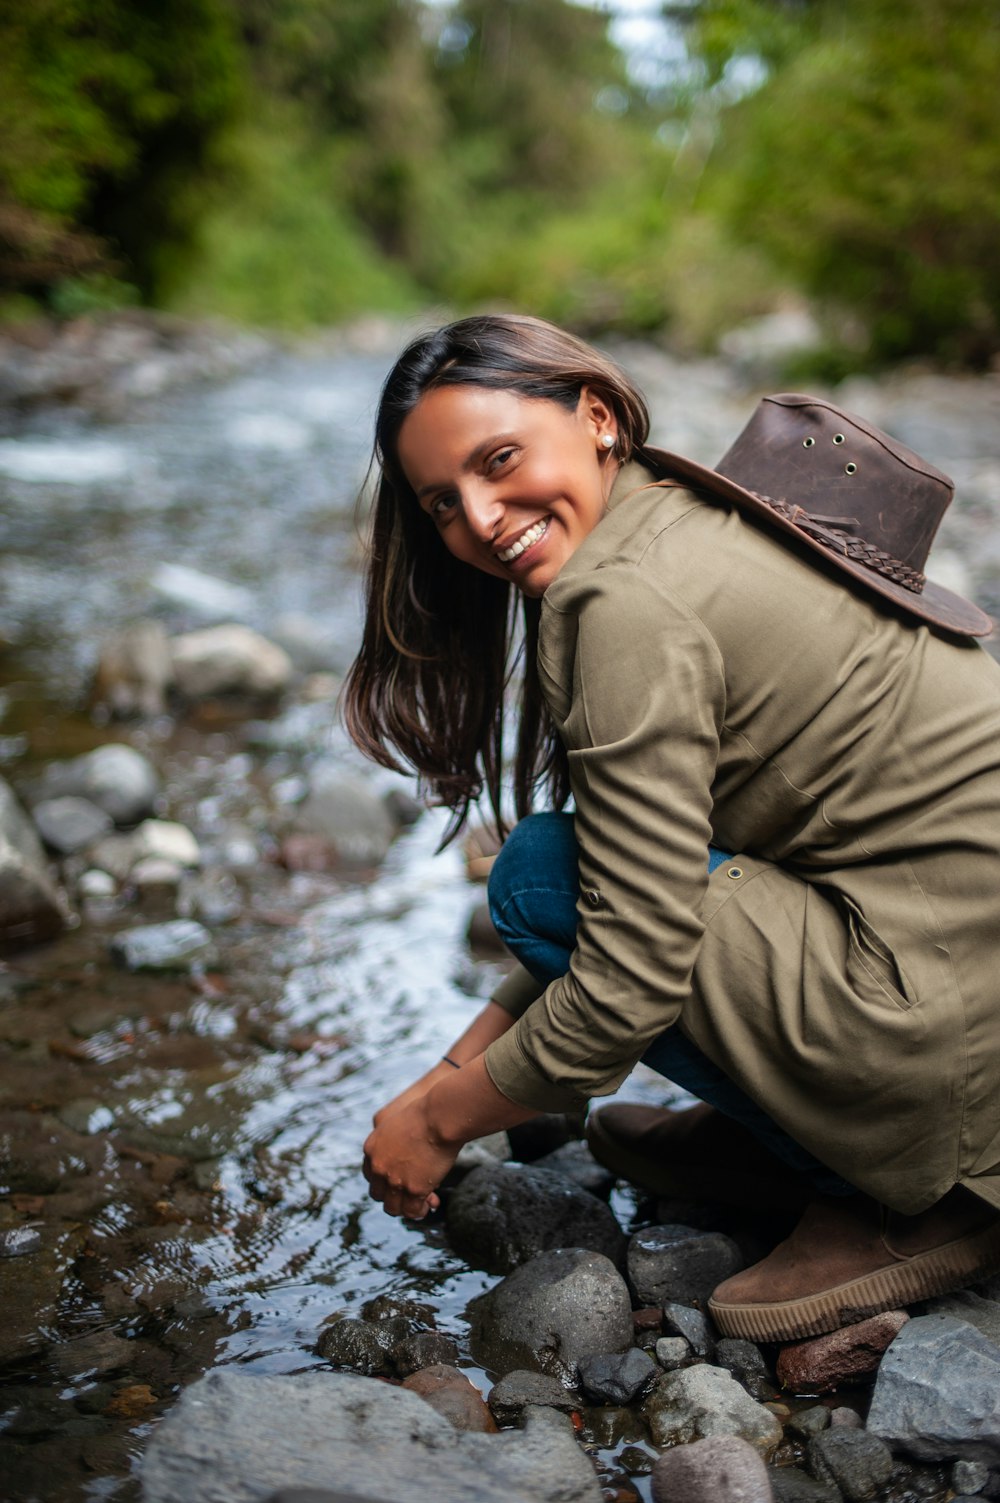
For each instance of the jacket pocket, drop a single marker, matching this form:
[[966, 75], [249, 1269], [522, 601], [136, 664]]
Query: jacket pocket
[[872, 969]]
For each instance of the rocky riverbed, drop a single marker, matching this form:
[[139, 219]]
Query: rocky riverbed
[[244, 941]]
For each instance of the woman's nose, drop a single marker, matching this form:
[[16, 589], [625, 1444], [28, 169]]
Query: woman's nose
[[483, 514]]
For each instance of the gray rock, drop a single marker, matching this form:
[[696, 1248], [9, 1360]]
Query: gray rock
[[617, 1378], [791, 1485], [493, 1149], [746, 1363], [698, 1402], [503, 1214], [18, 1241], [207, 598], [423, 1349], [856, 1462], [551, 1313], [521, 1390], [344, 810], [723, 1468], [969, 1476], [679, 1263], [672, 1352], [806, 1423], [162, 947], [846, 1419], [937, 1394], [115, 777], [358, 1345], [229, 659], [237, 1437], [134, 671], [964, 1304], [164, 840], [30, 905], [683, 1320], [575, 1162], [69, 824]]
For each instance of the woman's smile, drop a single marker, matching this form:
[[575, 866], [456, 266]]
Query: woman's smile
[[513, 484]]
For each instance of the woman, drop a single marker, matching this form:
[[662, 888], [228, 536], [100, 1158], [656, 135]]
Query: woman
[[706, 672]]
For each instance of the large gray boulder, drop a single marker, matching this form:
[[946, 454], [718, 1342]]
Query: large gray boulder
[[937, 1395], [551, 1313], [237, 1437], [503, 1214], [30, 905]]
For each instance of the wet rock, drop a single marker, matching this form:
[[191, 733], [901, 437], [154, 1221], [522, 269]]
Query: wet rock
[[164, 840], [134, 671], [344, 811], [115, 777], [607, 1427], [969, 1476], [203, 595], [365, 1346], [398, 1307], [522, 1390], [617, 1378], [30, 906], [679, 1263], [857, 1463], [844, 1356], [229, 660], [746, 1363], [156, 883], [966, 1305], [790, 1484], [808, 1422], [575, 1162], [453, 1396], [672, 1352], [30, 1293], [234, 1436], [175, 946], [69, 824], [214, 898], [98, 1353], [551, 1313], [698, 1402], [18, 1241], [503, 1214], [937, 1394], [683, 1320], [493, 1149], [722, 1468], [845, 1419], [85, 1114], [421, 1350]]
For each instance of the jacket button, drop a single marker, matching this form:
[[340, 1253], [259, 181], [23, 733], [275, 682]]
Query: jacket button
[[593, 897], [735, 872]]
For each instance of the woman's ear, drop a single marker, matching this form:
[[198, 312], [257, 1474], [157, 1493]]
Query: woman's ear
[[599, 418]]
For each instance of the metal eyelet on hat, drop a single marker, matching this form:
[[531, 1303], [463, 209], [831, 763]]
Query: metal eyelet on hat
[[807, 443], [838, 438], [850, 469]]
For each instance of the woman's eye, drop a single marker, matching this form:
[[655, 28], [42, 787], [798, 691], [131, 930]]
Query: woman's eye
[[498, 460], [441, 505]]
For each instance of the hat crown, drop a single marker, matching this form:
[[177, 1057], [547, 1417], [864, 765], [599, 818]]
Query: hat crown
[[843, 471]]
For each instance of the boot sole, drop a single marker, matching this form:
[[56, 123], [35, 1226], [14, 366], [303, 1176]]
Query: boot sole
[[698, 1182], [938, 1271]]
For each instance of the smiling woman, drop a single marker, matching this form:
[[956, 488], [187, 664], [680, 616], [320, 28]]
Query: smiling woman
[[707, 672]]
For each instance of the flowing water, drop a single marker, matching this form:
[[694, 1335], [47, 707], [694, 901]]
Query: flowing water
[[182, 1152]]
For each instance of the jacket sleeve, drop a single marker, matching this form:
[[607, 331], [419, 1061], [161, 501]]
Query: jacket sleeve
[[637, 685]]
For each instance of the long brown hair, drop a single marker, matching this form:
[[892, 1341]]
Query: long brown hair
[[441, 638]]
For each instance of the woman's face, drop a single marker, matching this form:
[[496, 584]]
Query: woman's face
[[512, 484]]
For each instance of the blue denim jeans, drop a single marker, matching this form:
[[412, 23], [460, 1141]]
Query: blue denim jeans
[[533, 891]]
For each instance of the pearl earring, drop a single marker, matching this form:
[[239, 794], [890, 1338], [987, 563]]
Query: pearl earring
[[608, 440]]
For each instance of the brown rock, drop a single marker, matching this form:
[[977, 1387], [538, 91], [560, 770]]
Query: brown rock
[[133, 1401], [843, 1356], [450, 1392], [650, 1318]]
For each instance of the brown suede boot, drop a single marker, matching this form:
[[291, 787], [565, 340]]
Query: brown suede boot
[[697, 1154], [849, 1258]]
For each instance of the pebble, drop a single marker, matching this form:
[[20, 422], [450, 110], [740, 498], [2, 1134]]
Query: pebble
[[164, 840], [617, 1378], [133, 672], [96, 884], [358, 1345], [698, 1402], [672, 1352], [229, 660], [722, 1468], [521, 1390], [969, 1476], [344, 810], [679, 1263], [86, 1114], [453, 1396], [423, 1349], [937, 1394], [117, 778], [790, 1484], [806, 1423], [684, 1320], [30, 906], [842, 1357], [856, 1462], [503, 1214], [552, 1313], [843, 1418], [70, 824], [174, 946], [18, 1241]]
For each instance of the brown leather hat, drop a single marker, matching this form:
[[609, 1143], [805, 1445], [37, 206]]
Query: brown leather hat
[[846, 490]]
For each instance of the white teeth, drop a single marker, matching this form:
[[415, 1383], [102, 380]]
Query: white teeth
[[524, 541]]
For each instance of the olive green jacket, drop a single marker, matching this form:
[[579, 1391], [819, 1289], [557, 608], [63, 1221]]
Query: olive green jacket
[[711, 684]]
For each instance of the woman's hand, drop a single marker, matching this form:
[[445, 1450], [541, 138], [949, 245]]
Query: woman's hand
[[404, 1160]]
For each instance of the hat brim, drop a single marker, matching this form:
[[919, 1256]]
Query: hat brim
[[934, 604]]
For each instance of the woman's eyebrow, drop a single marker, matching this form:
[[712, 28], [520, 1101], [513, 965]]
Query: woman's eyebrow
[[471, 460]]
